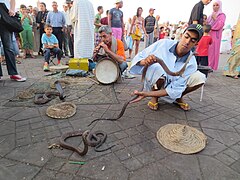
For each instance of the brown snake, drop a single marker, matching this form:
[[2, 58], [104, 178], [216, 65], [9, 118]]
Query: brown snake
[[93, 139], [164, 66]]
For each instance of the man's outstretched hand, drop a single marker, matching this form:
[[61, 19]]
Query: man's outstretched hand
[[139, 98]]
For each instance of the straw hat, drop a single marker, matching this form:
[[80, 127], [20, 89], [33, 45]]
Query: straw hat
[[181, 138], [62, 110]]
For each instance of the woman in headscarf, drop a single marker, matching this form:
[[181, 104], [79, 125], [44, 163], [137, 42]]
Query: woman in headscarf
[[217, 21], [232, 69]]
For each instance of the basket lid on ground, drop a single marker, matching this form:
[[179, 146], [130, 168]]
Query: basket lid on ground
[[62, 110], [181, 138]]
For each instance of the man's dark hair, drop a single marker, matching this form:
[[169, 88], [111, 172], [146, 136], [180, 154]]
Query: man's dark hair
[[107, 12], [207, 28], [99, 8], [43, 4], [138, 11], [47, 26], [22, 6]]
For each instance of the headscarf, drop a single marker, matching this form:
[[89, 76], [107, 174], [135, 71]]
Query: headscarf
[[210, 19]]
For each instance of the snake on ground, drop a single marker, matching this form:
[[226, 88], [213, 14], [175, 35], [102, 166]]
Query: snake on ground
[[93, 139], [166, 69]]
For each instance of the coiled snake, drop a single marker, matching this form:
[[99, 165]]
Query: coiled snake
[[93, 139], [164, 66], [88, 137]]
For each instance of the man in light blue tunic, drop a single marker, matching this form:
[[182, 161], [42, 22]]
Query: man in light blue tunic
[[157, 83]]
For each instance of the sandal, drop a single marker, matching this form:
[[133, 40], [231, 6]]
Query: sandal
[[183, 106], [18, 62], [153, 106]]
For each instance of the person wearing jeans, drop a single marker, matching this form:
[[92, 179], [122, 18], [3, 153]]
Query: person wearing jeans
[[6, 37], [50, 45]]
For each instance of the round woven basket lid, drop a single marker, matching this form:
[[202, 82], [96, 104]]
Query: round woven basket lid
[[181, 138], [61, 111], [59, 68]]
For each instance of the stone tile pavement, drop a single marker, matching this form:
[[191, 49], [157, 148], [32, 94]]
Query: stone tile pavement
[[25, 134]]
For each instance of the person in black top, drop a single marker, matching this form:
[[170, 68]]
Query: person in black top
[[149, 26], [41, 21], [196, 16]]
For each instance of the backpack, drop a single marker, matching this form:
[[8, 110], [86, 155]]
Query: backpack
[[12, 23]]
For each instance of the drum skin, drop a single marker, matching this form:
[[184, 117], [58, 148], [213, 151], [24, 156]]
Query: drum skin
[[107, 71]]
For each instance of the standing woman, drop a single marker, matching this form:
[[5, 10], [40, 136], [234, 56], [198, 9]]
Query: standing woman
[[41, 21], [136, 29], [217, 21], [26, 35], [36, 31], [232, 69]]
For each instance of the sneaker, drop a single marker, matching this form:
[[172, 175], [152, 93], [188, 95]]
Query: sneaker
[[18, 78], [45, 67]]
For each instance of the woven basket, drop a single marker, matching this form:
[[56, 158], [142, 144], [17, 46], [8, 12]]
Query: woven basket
[[181, 138], [62, 110]]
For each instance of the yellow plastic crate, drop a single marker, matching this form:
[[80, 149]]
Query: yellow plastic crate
[[81, 64]]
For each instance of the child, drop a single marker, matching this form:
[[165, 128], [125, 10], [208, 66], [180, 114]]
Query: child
[[50, 45], [161, 33], [26, 35], [203, 45]]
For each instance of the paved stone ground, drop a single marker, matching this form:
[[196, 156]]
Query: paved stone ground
[[25, 134]]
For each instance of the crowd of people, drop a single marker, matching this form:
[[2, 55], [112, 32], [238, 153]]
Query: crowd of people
[[80, 33]]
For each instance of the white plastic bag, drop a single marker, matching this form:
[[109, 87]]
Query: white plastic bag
[[129, 42]]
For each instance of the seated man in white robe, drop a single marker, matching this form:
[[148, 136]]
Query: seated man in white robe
[[157, 82]]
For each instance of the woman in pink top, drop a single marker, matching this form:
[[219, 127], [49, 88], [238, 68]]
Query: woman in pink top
[[216, 20]]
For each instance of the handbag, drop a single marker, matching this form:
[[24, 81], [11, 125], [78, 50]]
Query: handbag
[[129, 42], [12, 23], [138, 32]]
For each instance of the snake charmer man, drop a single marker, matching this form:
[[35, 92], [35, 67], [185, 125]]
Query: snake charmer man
[[175, 55], [111, 47]]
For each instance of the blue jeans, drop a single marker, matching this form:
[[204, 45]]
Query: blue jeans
[[7, 39], [55, 51], [123, 66]]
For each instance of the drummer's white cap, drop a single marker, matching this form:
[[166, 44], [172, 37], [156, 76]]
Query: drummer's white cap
[[118, 1]]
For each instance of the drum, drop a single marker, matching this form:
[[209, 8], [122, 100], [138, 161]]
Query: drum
[[107, 71]]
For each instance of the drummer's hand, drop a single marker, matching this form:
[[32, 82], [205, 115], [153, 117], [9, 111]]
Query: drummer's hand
[[149, 60], [97, 49], [139, 98], [104, 46]]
